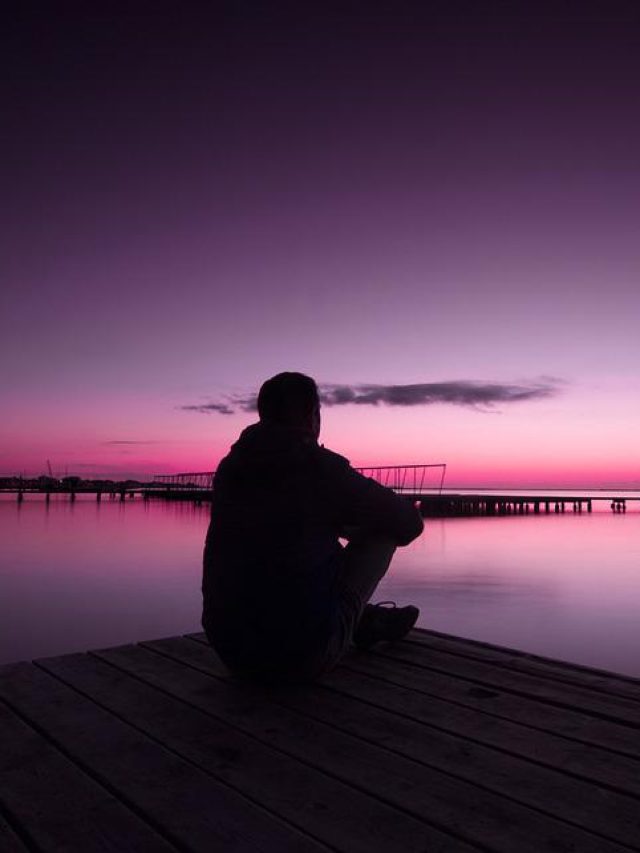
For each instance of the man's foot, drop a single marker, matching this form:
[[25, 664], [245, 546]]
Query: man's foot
[[384, 621]]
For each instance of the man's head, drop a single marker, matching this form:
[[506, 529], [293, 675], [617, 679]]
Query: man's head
[[290, 399]]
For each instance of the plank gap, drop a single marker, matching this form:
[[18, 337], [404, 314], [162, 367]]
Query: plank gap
[[11, 828]]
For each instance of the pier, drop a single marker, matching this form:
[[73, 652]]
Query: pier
[[423, 483], [405, 479], [71, 488], [435, 743], [458, 504]]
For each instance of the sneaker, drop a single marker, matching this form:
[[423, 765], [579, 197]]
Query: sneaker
[[384, 621]]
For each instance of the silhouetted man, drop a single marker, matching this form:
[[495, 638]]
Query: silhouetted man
[[283, 599]]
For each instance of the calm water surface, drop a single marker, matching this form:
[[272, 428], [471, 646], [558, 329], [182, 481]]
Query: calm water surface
[[85, 575]]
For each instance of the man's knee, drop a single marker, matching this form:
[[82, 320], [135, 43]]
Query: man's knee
[[375, 545], [366, 560]]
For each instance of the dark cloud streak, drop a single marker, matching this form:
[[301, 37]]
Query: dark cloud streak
[[459, 393], [209, 408], [117, 443], [472, 394]]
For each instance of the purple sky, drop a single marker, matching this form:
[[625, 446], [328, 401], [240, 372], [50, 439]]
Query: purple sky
[[195, 201]]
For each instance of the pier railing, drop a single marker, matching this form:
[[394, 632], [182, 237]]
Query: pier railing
[[189, 480], [424, 483], [406, 479], [409, 479]]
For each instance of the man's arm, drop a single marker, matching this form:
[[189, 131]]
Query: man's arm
[[372, 508]]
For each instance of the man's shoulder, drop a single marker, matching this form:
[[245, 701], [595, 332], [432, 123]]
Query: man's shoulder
[[331, 472], [331, 460]]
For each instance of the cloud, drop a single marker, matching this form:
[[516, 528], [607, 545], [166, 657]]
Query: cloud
[[474, 394], [118, 443], [209, 408], [469, 393]]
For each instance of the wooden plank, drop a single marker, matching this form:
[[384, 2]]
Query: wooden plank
[[602, 681], [566, 721], [328, 809], [614, 708], [57, 806], [494, 819], [9, 841], [376, 826], [598, 809], [612, 684], [592, 763], [189, 807], [540, 733], [595, 807]]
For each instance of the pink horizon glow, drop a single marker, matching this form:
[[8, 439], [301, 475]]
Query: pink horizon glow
[[485, 465]]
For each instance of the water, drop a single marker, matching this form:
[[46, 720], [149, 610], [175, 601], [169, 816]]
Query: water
[[83, 575]]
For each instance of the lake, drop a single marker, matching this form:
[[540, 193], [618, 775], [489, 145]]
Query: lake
[[82, 575]]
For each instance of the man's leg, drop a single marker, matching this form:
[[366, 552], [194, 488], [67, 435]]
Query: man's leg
[[365, 561]]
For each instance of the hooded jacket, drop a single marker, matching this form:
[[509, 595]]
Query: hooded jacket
[[272, 557]]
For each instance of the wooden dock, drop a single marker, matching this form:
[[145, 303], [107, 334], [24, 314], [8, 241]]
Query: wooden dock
[[432, 505], [450, 504], [433, 744]]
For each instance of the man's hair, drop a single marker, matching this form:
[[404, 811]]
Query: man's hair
[[287, 398]]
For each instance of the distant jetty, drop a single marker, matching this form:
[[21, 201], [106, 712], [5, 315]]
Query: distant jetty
[[71, 487], [422, 484], [449, 505], [454, 505]]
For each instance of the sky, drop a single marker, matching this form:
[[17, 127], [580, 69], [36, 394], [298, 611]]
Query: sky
[[433, 209]]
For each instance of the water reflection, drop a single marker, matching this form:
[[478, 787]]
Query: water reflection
[[75, 576], [563, 586], [88, 574], [481, 588]]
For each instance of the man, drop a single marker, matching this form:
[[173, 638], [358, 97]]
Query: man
[[283, 599]]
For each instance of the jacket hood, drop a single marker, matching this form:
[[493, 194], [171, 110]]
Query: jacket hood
[[265, 445]]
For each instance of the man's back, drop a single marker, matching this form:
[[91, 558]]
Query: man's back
[[274, 575], [273, 537], [273, 561]]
